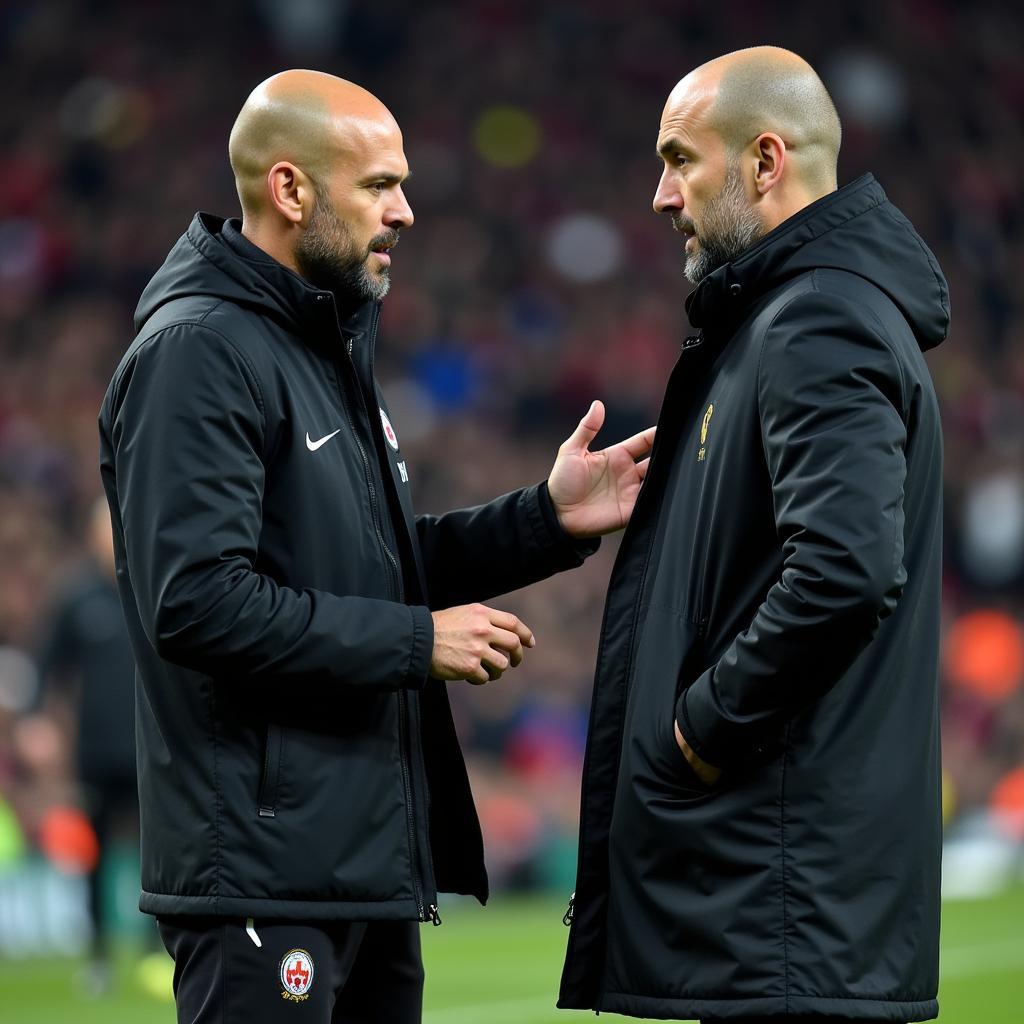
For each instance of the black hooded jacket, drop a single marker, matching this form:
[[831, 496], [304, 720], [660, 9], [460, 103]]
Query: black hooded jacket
[[277, 590], [777, 594]]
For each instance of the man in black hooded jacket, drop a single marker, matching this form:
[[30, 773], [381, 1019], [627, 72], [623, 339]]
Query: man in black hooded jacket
[[760, 822], [303, 796]]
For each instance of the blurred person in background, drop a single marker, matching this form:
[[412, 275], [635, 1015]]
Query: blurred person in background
[[760, 823], [302, 790], [87, 653]]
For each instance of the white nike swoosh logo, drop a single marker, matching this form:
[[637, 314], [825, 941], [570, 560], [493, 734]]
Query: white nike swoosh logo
[[313, 445]]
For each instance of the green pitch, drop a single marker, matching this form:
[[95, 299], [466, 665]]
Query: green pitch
[[501, 966]]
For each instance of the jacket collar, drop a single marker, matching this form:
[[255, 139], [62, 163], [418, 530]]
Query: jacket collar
[[286, 296], [721, 301]]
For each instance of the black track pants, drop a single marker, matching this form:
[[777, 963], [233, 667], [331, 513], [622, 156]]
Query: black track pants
[[273, 972]]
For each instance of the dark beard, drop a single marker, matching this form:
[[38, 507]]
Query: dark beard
[[729, 227], [327, 258]]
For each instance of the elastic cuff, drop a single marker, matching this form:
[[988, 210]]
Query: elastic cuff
[[716, 738], [422, 648], [690, 734], [554, 534]]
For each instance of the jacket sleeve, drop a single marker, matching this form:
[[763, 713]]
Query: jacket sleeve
[[830, 394], [187, 432], [475, 553]]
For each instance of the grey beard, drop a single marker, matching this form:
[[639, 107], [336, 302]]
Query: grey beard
[[327, 259], [730, 226], [347, 277]]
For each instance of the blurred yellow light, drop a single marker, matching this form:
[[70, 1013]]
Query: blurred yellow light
[[506, 136]]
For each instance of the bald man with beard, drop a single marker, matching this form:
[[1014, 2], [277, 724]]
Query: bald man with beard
[[760, 821], [303, 796]]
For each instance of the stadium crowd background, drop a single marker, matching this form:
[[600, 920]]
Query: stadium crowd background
[[535, 279]]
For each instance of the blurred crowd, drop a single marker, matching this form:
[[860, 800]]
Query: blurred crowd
[[536, 278]]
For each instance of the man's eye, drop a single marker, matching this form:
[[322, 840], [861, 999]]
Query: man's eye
[[378, 187]]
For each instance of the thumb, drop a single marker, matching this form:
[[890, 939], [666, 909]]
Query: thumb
[[587, 429]]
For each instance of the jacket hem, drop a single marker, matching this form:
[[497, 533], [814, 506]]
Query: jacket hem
[[250, 906], [767, 1006]]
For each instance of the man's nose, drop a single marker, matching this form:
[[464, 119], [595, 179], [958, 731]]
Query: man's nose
[[400, 214], [667, 197]]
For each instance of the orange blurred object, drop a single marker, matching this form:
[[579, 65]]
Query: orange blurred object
[[985, 654], [1007, 803], [69, 841]]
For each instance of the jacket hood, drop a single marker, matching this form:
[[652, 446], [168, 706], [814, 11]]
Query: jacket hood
[[855, 229], [213, 258]]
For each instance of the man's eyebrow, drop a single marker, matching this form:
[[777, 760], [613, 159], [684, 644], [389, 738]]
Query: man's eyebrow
[[670, 147], [389, 178]]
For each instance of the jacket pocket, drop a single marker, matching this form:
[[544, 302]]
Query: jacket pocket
[[667, 657], [266, 802]]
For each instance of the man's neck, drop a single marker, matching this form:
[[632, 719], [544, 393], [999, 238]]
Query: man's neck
[[274, 246]]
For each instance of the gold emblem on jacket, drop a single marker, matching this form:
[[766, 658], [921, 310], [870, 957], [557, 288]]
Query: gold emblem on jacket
[[704, 431]]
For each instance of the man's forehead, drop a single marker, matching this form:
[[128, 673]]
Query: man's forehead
[[363, 140], [688, 106], [685, 122]]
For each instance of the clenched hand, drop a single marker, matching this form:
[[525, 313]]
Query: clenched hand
[[477, 643]]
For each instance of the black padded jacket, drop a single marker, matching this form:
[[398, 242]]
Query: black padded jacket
[[777, 594], [294, 758]]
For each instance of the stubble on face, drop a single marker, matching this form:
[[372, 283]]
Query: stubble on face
[[328, 257], [728, 227]]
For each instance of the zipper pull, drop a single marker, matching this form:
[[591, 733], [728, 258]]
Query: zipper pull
[[433, 915], [693, 341], [568, 915]]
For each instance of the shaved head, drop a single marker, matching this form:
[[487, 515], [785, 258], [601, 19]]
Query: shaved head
[[319, 167], [768, 89], [746, 141], [307, 118]]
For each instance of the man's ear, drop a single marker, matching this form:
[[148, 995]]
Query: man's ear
[[291, 192], [770, 154]]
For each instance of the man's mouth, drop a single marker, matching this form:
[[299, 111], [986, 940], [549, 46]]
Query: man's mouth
[[687, 229], [383, 246]]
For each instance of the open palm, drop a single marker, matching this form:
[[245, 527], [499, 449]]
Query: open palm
[[594, 492]]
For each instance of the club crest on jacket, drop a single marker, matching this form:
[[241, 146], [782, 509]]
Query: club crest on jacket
[[704, 431], [389, 431]]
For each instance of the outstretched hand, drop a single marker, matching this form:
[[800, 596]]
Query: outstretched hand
[[594, 492]]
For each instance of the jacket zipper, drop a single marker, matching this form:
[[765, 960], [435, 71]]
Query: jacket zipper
[[426, 913], [570, 913], [266, 803], [691, 343], [394, 571], [410, 821]]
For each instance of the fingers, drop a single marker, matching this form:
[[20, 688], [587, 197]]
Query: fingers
[[587, 429], [494, 663], [506, 644], [478, 677], [639, 444], [642, 468], [509, 643], [477, 643], [512, 623]]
